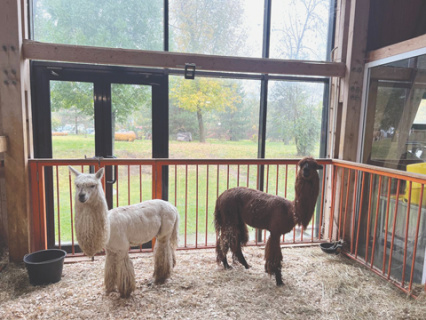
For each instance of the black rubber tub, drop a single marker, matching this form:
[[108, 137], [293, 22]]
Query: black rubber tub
[[45, 266], [331, 247]]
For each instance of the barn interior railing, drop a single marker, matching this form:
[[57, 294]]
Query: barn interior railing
[[378, 213]]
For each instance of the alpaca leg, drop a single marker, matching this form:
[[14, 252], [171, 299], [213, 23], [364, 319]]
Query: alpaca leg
[[222, 247], [237, 252], [163, 260], [126, 275], [239, 239], [173, 256], [273, 257], [110, 273]]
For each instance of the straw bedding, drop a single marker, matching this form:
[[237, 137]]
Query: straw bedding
[[316, 286]]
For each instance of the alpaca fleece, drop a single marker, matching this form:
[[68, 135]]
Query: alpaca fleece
[[238, 207], [118, 229]]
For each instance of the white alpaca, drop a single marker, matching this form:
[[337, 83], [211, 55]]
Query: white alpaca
[[118, 229]]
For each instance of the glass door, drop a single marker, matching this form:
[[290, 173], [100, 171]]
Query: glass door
[[86, 111]]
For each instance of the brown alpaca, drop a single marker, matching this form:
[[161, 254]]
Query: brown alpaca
[[237, 207]]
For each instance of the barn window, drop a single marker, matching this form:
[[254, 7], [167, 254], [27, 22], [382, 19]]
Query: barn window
[[129, 24], [395, 126]]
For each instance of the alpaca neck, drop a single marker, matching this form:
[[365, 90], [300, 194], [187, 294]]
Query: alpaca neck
[[305, 200]]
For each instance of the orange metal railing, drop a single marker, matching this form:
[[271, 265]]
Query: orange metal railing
[[381, 216], [193, 187], [378, 213]]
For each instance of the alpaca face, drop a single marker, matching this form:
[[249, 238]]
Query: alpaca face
[[87, 185], [308, 167]]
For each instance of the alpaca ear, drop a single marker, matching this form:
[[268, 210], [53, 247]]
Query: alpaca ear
[[75, 172], [319, 166], [99, 174]]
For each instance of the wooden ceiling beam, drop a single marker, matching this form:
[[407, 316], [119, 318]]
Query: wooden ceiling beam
[[398, 48], [159, 59]]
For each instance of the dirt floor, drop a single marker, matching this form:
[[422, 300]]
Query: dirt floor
[[317, 286]]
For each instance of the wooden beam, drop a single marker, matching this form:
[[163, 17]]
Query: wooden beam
[[3, 144], [348, 107], [353, 81], [391, 73], [159, 59], [13, 114], [398, 48]]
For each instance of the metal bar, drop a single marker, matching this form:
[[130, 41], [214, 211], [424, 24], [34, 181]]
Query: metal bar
[[286, 179], [367, 234], [294, 229], [341, 205], [227, 176], [248, 176], [134, 161], [217, 192], [140, 183], [207, 201], [397, 174], [285, 189], [238, 175], [196, 206], [59, 207], [186, 205], [375, 222], [276, 181], [128, 184], [333, 192], [347, 203], [176, 185], [359, 216], [419, 214], [312, 221], [407, 224], [217, 181], [116, 185], [386, 224], [267, 178], [322, 202], [393, 229], [71, 214]]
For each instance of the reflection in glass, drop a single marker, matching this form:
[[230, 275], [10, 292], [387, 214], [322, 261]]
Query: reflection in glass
[[395, 129]]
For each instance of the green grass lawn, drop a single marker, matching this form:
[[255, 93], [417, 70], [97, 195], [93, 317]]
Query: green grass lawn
[[194, 197], [77, 147]]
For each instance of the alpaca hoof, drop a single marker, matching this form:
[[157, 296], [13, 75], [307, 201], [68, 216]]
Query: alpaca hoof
[[125, 295], [247, 266], [227, 267], [159, 281], [280, 283]]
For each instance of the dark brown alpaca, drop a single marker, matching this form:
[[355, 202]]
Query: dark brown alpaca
[[237, 207]]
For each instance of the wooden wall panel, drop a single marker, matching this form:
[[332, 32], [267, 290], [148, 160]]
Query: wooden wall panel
[[393, 21], [13, 114]]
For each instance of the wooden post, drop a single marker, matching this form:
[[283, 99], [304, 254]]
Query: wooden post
[[347, 108], [353, 80], [339, 53], [14, 110]]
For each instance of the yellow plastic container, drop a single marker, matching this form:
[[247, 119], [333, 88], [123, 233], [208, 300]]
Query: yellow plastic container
[[416, 187]]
